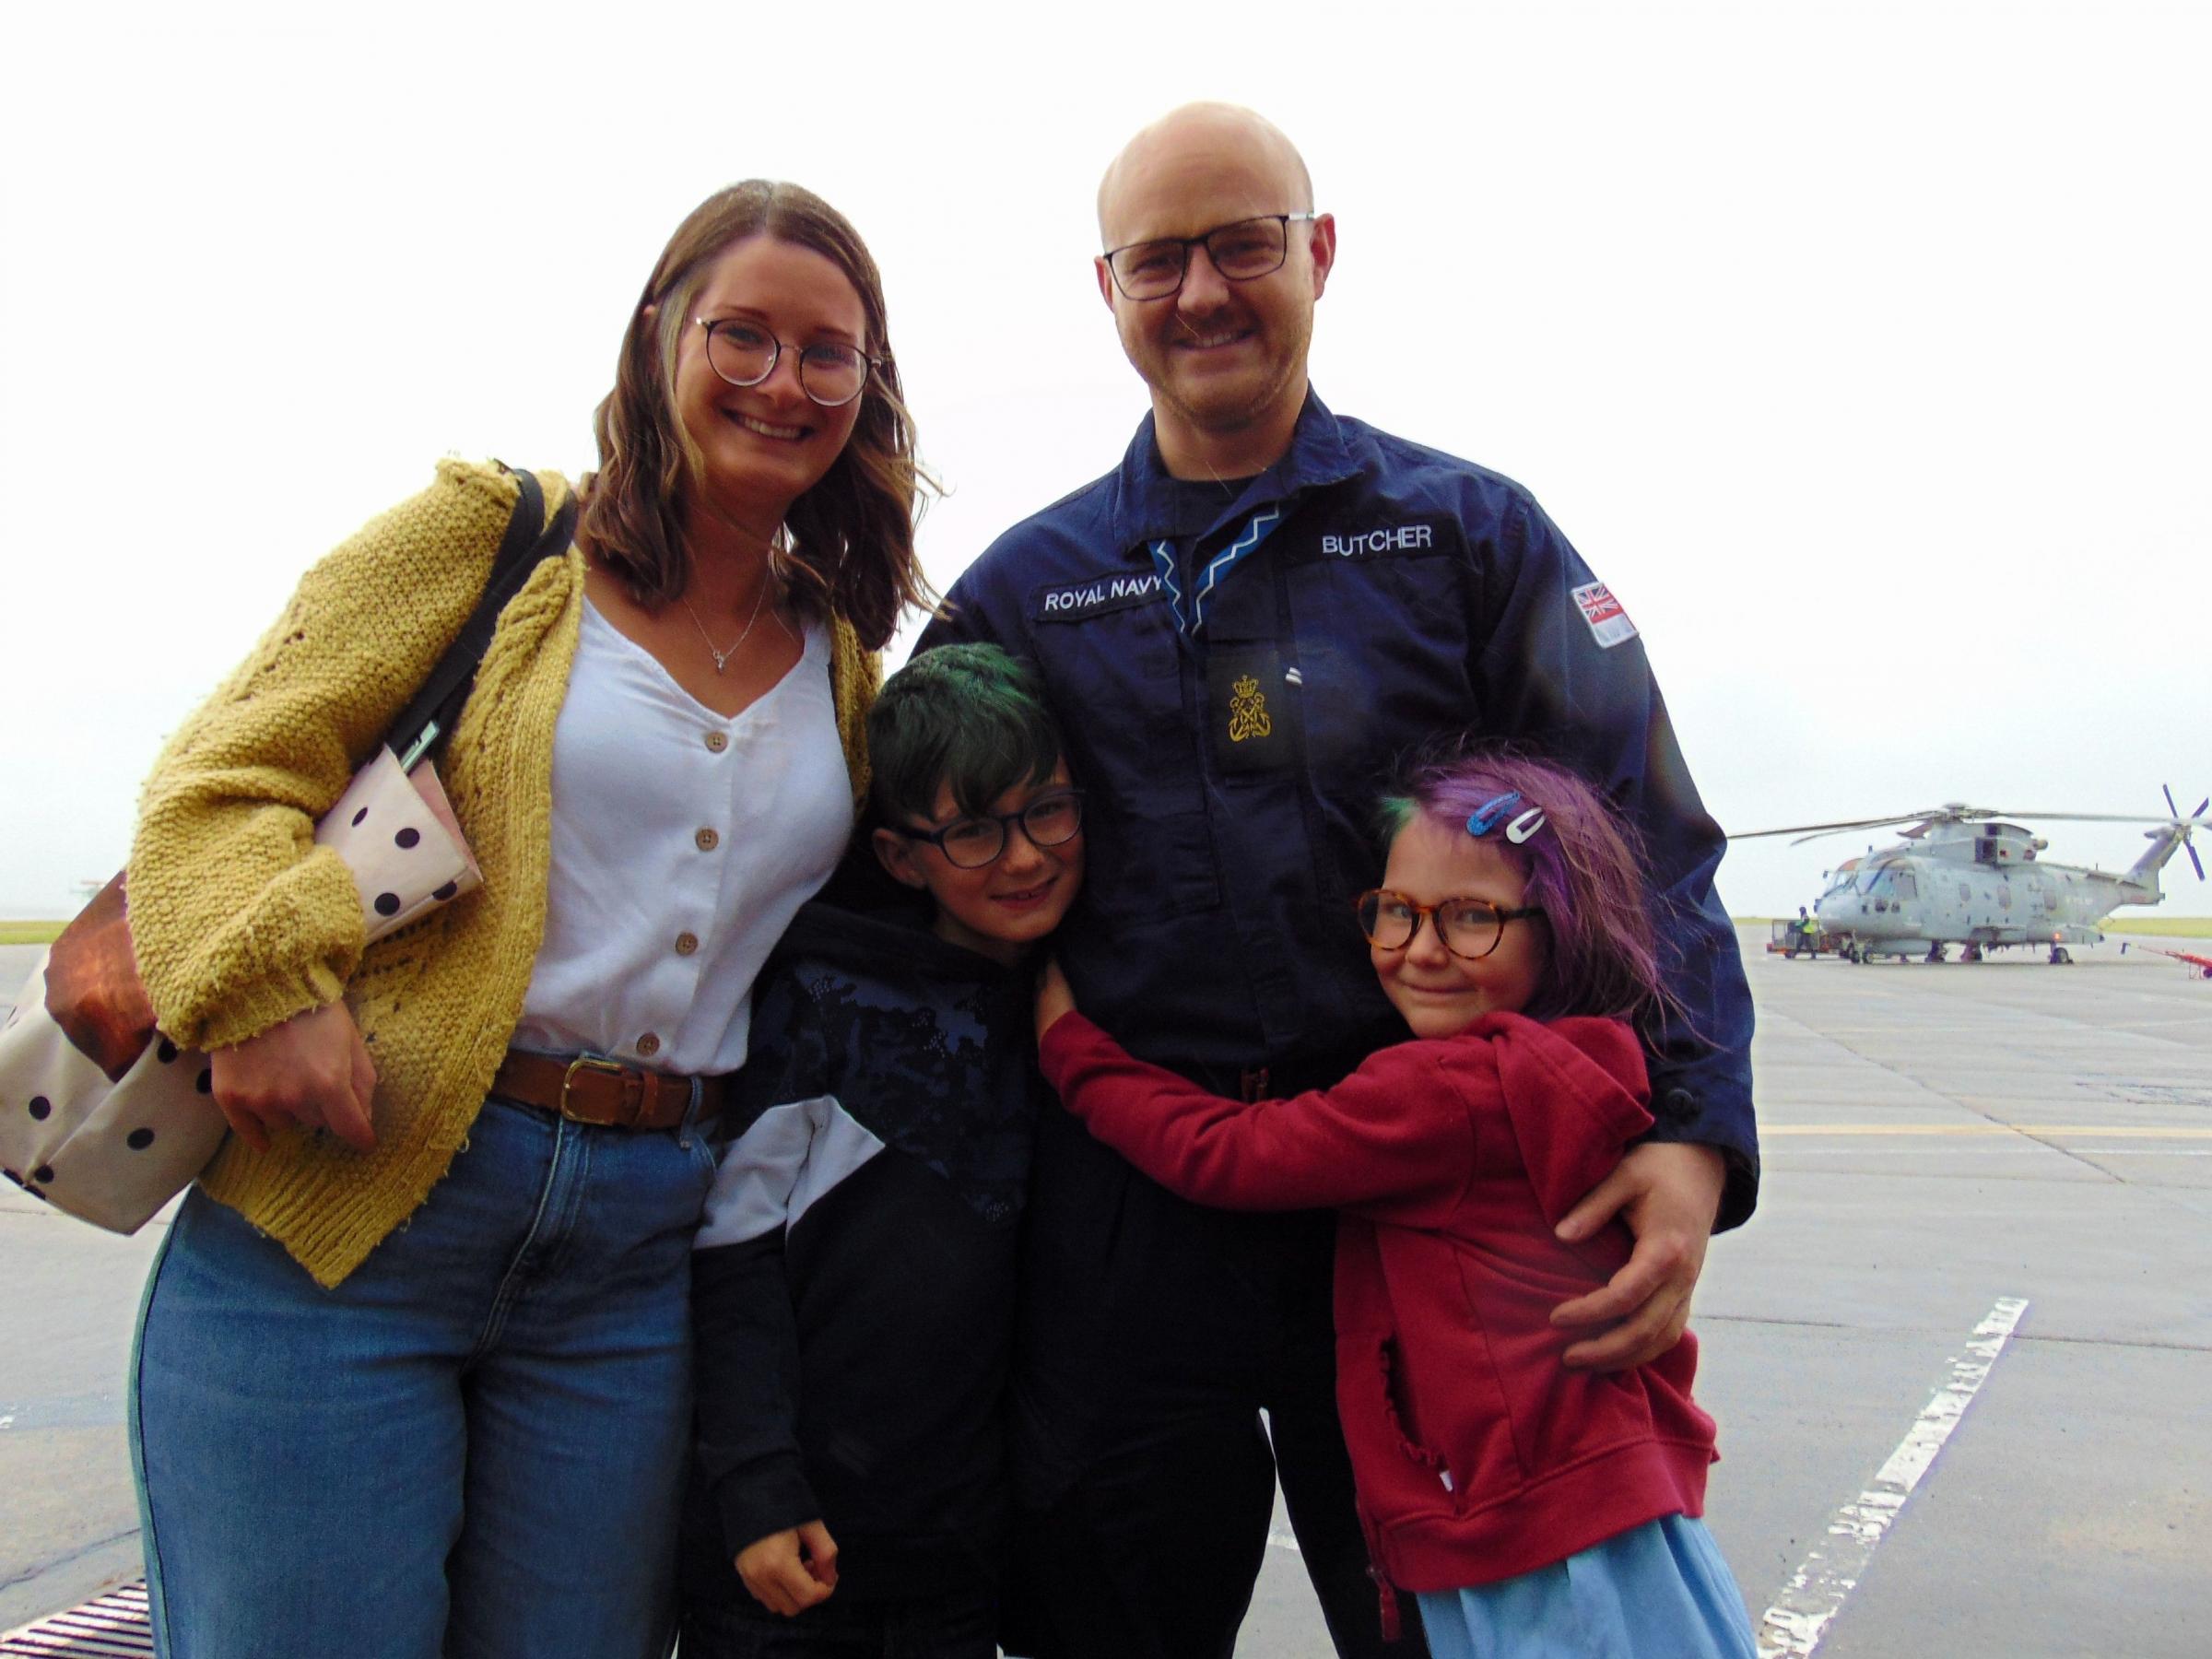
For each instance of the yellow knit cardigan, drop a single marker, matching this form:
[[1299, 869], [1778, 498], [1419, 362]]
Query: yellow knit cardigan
[[239, 920]]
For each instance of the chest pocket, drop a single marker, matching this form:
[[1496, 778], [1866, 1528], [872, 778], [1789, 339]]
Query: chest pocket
[[1383, 650], [1115, 677]]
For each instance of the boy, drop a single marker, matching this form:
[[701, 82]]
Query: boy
[[852, 1282]]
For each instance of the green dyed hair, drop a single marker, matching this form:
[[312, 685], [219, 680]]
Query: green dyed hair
[[968, 717]]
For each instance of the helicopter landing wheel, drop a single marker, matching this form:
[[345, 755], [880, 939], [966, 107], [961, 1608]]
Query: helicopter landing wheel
[[1972, 953], [2059, 957], [1936, 954]]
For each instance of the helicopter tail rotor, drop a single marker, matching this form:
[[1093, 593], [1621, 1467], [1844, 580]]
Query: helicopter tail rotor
[[2188, 826]]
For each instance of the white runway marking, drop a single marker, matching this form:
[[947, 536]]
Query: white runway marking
[[1801, 1615], [2038, 1150], [2115, 1131]]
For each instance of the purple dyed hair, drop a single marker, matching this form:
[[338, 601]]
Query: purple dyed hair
[[1582, 866]]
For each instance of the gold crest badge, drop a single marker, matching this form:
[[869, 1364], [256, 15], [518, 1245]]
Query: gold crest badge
[[1248, 711]]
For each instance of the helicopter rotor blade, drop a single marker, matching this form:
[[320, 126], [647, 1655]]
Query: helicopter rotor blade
[[1912, 825], [1807, 831], [2098, 818], [2193, 818], [1921, 821], [1918, 823]]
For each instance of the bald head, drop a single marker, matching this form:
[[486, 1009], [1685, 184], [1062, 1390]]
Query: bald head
[[1211, 143], [1223, 353]]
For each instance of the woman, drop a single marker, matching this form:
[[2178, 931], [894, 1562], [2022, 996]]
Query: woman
[[413, 1371]]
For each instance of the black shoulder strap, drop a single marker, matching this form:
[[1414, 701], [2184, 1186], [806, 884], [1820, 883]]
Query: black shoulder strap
[[528, 542]]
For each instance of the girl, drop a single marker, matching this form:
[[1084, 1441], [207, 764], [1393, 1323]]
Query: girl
[[1532, 1510], [421, 1385]]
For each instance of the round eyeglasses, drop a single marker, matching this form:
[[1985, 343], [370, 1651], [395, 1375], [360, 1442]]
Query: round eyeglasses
[[745, 354], [1241, 252], [970, 844], [1471, 929]]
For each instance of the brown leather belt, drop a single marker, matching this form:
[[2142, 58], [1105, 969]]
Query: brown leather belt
[[590, 1090]]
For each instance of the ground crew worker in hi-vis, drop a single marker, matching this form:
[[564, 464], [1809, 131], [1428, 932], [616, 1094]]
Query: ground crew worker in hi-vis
[[1237, 628], [1808, 932]]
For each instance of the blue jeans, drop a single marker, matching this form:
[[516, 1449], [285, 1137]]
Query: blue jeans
[[472, 1447]]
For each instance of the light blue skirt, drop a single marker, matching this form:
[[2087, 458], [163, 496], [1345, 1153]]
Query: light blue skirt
[[1659, 1590]]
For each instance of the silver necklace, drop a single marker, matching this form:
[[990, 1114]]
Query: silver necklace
[[722, 657]]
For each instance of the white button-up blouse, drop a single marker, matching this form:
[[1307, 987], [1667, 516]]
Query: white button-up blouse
[[683, 845]]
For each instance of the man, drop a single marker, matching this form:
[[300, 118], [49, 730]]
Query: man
[[1241, 628]]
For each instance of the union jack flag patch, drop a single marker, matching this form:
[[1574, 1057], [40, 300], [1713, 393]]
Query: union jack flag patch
[[1609, 624]]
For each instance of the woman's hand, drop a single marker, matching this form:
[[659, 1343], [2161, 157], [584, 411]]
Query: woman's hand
[[791, 1570], [313, 1069], [1667, 1193], [1053, 997]]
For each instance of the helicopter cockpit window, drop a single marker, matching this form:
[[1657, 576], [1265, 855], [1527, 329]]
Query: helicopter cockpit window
[[1908, 885], [1840, 884], [1880, 887]]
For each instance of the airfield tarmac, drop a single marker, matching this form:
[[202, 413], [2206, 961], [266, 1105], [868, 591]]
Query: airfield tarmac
[[1961, 1358]]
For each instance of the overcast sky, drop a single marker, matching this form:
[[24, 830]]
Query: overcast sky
[[1863, 350]]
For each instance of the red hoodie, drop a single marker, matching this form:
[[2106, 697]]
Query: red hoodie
[[1478, 1454]]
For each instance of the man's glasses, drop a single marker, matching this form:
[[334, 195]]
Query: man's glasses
[[1249, 249], [745, 354], [970, 844], [1469, 927]]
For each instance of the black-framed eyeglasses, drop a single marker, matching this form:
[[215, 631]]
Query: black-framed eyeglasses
[[745, 354], [970, 844], [1471, 929], [1241, 252]]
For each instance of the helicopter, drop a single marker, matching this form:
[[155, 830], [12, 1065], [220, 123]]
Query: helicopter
[[1968, 875]]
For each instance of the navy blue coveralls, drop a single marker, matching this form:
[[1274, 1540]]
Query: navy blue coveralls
[[1239, 669]]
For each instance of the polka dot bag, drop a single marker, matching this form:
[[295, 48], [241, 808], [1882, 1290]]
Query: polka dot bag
[[105, 1117]]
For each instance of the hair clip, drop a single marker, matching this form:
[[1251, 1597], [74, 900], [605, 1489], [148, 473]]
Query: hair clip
[[1484, 819]]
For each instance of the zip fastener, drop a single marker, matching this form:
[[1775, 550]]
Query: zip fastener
[[1386, 1593], [1387, 1598]]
